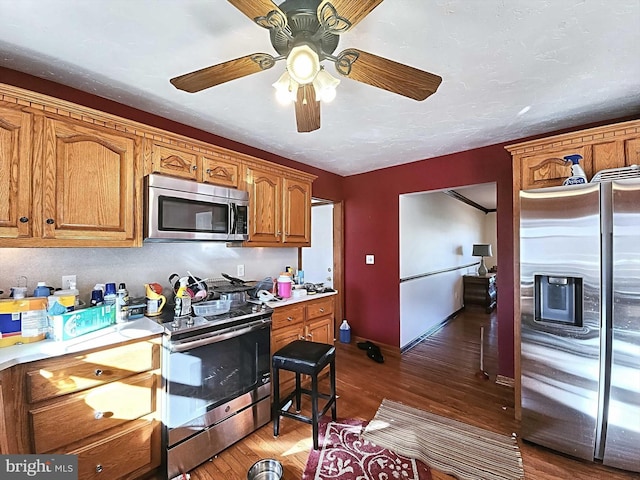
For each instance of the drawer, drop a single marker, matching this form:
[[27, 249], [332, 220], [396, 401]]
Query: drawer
[[96, 410], [121, 454], [285, 316], [52, 378], [320, 308]]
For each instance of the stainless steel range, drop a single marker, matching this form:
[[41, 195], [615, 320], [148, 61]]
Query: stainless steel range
[[217, 383]]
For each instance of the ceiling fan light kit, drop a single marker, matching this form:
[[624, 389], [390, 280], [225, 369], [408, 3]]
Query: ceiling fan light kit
[[305, 33]]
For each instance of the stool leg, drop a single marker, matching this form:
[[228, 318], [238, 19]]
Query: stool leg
[[332, 370], [276, 402], [314, 408], [298, 392]]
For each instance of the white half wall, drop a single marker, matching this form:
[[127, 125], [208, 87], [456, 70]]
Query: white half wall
[[437, 233]]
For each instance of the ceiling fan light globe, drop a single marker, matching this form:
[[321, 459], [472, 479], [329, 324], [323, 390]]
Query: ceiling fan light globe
[[303, 64], [286, 89], [325, 86]]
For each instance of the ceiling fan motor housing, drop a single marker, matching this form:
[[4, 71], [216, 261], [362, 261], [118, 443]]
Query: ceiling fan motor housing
[[303, 27]]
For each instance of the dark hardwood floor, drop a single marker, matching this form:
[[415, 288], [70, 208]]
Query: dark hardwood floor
[[437, 375]]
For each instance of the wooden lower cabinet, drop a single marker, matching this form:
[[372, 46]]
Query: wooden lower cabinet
[[102, 406], [480, 290], [311, 320]]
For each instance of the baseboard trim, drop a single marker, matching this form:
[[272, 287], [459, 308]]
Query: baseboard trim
[[429, 332], [505, 381]]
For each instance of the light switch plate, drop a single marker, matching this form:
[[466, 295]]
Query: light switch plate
[[369, 259], [240, 271]]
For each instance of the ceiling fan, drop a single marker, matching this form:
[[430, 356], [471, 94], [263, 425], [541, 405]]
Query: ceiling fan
[[305, 33]]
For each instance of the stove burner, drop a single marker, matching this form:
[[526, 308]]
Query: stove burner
[[180, 328]]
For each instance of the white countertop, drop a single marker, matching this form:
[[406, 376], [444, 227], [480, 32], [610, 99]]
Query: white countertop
[[121, 332], [306, 298]]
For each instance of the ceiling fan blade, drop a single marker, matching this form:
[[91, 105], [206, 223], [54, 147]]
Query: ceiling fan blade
[[339, 16], [223, 72], [307, 109], [386, 74], [264, 12]]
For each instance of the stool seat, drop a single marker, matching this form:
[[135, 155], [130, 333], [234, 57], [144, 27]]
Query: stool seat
[[304, 358]]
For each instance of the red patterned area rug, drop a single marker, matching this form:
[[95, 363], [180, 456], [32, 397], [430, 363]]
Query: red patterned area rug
[[345, 455]]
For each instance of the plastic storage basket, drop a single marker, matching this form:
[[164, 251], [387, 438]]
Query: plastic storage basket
[[213, 307]]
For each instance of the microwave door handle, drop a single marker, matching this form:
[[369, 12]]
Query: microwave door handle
[[233, 222]]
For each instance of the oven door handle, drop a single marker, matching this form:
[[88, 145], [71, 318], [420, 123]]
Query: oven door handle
[[219, 336]]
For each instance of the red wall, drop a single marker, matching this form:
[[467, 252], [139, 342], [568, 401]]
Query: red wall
[[372, 292]]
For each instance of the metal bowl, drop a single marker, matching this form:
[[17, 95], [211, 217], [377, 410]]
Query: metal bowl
[[265, 469]]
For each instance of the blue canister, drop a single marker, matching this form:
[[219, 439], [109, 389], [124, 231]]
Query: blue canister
[[345, 332], [42, 290]]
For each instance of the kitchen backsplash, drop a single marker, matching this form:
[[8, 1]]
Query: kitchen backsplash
[[154, 262]]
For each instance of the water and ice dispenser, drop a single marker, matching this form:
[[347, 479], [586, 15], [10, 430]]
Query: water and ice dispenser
[[558, 299]]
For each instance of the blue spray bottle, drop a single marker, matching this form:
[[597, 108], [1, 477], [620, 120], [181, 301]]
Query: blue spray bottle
[[577, 173]]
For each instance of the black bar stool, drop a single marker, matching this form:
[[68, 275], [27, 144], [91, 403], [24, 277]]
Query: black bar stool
[[304, 358]]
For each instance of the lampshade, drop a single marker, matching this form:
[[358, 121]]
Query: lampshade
[[303, 64], [325, 86], [286, 88], [482, 250]]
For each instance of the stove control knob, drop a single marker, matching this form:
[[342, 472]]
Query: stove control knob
[[189, 321], [254, 308]]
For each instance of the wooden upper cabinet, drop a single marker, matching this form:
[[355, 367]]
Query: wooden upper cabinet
[[88, 184], [173, 161], [550, 169], [15, 172], [632, 152], [265, 206], [219, 171], [297, 212], [539, 163], [279, 208]]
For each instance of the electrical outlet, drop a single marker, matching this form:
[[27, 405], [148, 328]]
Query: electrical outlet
[[67, 280], [240, 271], [369, 259]]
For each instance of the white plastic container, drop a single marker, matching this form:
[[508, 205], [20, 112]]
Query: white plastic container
[[213, 307]]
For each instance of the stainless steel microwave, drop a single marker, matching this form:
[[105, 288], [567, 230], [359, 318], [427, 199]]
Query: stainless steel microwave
[[178, 209]]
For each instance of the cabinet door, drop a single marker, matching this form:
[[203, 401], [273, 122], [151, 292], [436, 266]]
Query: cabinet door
[[265, 206], [15, 173], [173, 161], [549, 169], [219, 171], [632, 152], [607, 155], [320, 330], [297, 212], [280, 338], [88, 183]]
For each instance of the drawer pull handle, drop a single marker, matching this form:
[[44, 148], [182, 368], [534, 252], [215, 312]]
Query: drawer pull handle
[[301, 337], [99, 468], [310, 335], [322, 310], [98, 415], [290, 318], [98, 372]]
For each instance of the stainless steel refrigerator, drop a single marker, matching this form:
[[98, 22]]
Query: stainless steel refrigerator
[[580, 320]]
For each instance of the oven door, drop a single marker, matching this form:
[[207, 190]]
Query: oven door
[[214, 369]]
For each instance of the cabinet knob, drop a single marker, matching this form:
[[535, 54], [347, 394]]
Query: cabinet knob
[[50, 221], [310, 335], [99, 468], [24, 219], [98, 372], [208, 171], [98, 415], [290, 319], [194, 168], [321, 310], [301, 337]]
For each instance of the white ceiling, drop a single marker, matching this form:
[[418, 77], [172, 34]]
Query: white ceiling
[[510, 68]]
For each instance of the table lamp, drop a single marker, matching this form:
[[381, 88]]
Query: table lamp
[[482, 250]]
